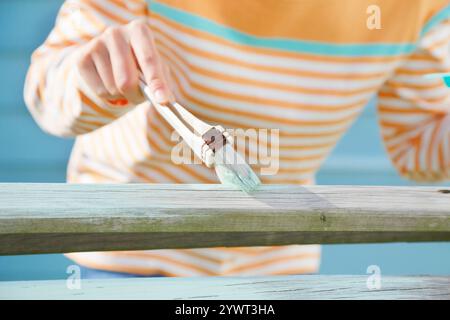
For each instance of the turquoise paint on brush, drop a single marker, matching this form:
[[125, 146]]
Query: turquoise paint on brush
[[232, 170], [314, 47]]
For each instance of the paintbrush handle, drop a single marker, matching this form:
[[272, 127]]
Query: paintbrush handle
[[194, 141], [198, 125]]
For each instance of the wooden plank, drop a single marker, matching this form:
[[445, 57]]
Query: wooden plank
[[229, 288], [44, 218]]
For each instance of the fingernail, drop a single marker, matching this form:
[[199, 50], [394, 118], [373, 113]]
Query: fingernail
[[160, 96]]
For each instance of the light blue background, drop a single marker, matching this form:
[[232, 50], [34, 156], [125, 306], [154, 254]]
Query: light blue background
[[29, 155]]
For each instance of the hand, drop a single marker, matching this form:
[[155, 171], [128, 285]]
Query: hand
[[110, 64]]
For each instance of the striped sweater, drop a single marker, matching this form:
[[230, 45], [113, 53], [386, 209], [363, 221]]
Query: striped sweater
[[306, 68]]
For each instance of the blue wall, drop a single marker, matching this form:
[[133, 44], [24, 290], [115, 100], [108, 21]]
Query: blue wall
[[29, 155]]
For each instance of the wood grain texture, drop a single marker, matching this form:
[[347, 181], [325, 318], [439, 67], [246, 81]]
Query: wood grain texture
[[242, 288], [38, 218]]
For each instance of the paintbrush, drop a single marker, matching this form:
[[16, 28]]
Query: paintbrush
[[212, 144]]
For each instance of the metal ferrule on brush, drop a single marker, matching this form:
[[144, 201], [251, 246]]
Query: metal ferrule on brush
[[215, 139]]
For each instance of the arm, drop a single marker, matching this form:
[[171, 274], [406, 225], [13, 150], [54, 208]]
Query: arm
[[414, 111], [85, 75]]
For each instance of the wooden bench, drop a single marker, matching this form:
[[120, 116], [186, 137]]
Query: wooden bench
[[51, 218]]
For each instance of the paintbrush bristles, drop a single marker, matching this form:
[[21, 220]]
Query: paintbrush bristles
[[231, 169]]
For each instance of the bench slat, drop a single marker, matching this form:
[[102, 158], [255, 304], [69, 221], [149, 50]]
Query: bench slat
[[265, 288], [44, 218]]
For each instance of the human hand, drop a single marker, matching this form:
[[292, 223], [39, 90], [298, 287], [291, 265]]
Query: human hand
[[111, 64]]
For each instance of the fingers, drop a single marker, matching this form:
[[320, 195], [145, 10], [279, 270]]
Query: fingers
[[124, 69], [111, 64], [89, 73], [142, 44], [102, 62]]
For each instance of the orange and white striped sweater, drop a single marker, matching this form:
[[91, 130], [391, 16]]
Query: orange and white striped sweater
[[304, 67]]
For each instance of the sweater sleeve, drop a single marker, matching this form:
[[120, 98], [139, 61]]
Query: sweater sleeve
[[54, 93], [414, 111]]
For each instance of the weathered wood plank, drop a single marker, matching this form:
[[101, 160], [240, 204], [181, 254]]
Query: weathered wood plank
[[37, 218], [242, 288]]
